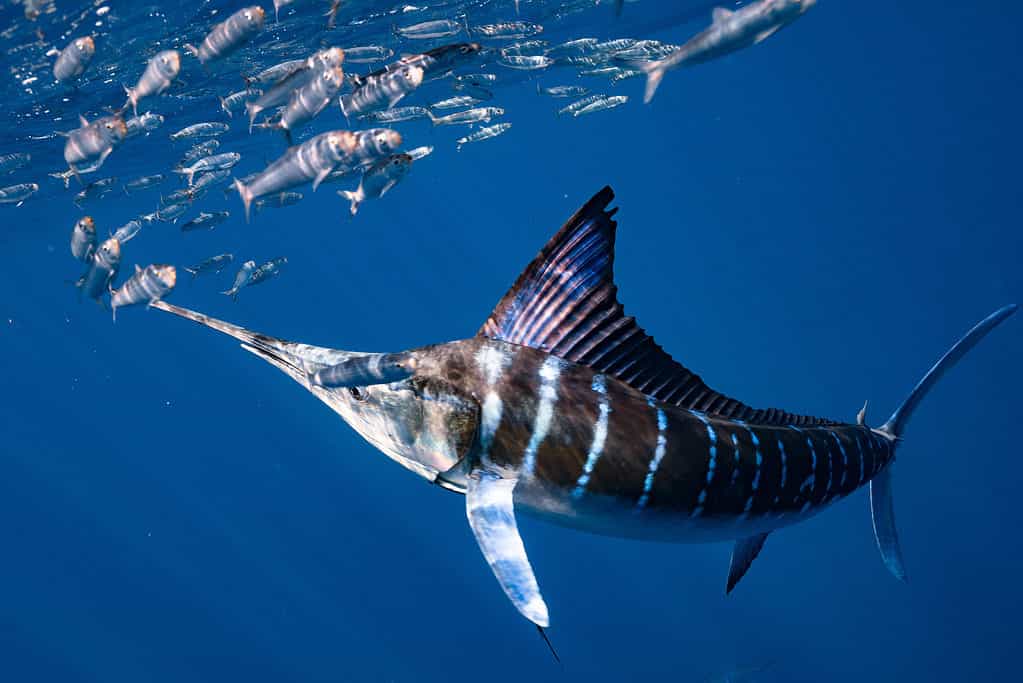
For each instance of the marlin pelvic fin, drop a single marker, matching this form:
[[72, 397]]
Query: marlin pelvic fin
[[882, 512], [566, 303], [743, 554], [491, 513]]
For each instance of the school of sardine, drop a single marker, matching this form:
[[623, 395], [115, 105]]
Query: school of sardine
[[398, 67]]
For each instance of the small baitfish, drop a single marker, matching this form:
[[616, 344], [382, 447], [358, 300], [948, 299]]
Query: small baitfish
[[483, 134], [562, 91], [435, 63], [562, 405], [17, 194], [279, 200], [420, 152], [203, 149], [469, 116], [143, 182], [230, 34], [297, 78], [396, 115], [97, 189], [574, 47], [83, 239], [580, 104], [427, 30], [365, 54], [206, 220], [729, 31], [172, 212], [266, 271], [480, 94], [103, 267], [216, 162], [73, 59], [378, 179], [93, 142], [213, 264], [308, 101], [525, 62], [478, 80], [147, 285], [455, 102], [313, 160], [160, 72], [602, 104], [12, 162], [146, 123], [508, 29], [527, 47], [382, 91], [275, 73], [206, 129], [241, 278], [237, 100], [128, 231]]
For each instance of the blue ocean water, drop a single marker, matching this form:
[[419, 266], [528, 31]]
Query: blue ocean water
[[808, 224]]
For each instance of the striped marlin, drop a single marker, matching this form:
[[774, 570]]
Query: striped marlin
[[563, 406]]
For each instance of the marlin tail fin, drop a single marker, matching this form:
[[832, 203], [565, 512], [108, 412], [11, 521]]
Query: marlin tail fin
[[881, 507]]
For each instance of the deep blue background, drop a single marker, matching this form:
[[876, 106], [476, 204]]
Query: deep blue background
[[808, 224]]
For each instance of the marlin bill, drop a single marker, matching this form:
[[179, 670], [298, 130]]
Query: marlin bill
[[563, 406]]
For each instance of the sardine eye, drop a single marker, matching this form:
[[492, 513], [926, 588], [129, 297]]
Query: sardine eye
[[248, 16], [358, 394]]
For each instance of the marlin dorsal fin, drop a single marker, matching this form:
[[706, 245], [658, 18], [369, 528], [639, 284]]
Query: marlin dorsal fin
[[565, 303]]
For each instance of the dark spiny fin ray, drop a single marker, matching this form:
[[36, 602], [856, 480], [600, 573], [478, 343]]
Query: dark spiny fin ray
[[566, 303], [543, 634], [743, 554]]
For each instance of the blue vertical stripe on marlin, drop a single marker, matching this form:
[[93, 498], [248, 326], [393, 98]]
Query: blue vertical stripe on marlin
[[564, 406]]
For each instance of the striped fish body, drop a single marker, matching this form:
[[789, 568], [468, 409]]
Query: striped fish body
[[147, 285], [382, 91], [307, 102], [230, 34], [593, 453]]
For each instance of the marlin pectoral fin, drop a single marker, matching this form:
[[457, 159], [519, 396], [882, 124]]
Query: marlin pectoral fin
[[882, 513], [743, 554], [488, 504]]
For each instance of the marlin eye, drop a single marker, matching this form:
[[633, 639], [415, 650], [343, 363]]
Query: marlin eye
[[358, 394]]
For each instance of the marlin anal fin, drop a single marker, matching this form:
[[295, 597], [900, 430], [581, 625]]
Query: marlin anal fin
[[882, 512], [489, 507], [743, 554]]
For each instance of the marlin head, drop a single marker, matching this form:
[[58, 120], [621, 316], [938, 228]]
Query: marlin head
[[401, 403]]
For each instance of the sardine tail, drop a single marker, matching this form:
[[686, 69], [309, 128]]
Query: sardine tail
[[192, 50], [353, 198], [246, 195]]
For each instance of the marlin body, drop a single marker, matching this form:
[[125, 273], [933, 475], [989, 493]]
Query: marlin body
[[563, 406]]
